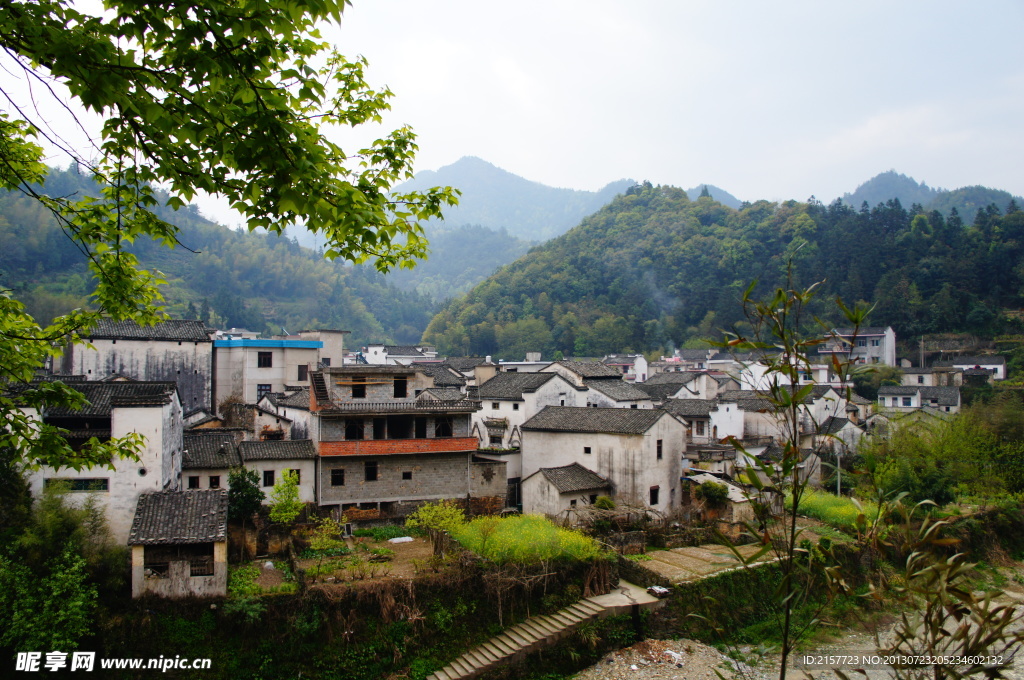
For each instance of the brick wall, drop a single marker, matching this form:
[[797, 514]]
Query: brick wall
[[441, 475]]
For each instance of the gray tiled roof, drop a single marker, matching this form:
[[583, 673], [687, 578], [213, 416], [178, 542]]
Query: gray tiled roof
[[277, 450], [672, 378], [443, 376], [209, 452], [693, 408], [464, 364], [180, 517], [946, 396], [659, 392], [175, 329], [574, 477], [618, 390], [590, 369], [833, 424], [868, 330], [402, 351], [299, 399], [598, 420], [512, 385], [443, 393], [102, 396]]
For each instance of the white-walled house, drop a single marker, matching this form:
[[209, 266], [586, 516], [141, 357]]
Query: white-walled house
[[995, 364], [509, 399], [379, 354], [898, 397], [248, 369], [293, 406], [633, 367], [616, 394], [178, 351], [207, 459], [870, 345], [116, 409], [558, 491], [271, 459], [579, 372], [639, 451]]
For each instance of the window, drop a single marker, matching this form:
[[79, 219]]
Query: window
[[586, 449], [876, 343], [358, 387], [561, 399], [660, 450], [264, 359], [515, 407], [906, 401], [407, 475], [655, 492], [920, 380], [82, 483], [495, 441], [193, 482], [443, 426], [298, 475], [495, 406], [700, 428], [268, 478], [380, 428], [354, 429], [572, 503], [262, 390], [338, 477], [303, 375], [401, 386], [593, 498], [214, 481], [862, 343], [326, 361], [633, 406], [370, 471], [420, 425]]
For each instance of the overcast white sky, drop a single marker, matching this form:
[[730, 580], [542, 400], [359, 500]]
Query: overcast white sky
[[771, 100], [764, 99]]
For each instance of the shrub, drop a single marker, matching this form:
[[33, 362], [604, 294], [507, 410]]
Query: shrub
[[837, 511], [524, 538], [441, 516], [381, 533], [712, 493], [285, 505], [604, 503]]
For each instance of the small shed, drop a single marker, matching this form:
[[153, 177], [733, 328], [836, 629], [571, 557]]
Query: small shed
[[553, 491], [179, 543]]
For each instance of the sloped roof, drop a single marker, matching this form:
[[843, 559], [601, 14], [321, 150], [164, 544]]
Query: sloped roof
[[294, 449], [597, 420], [868, 330], [660, 392], [574, 477], [736, 494], [512, 385], [590, 369], [444, 376], [102, 396], [180, 517], [946, 396], [691, 408], [298, 399], [833, 424], [443, 394], [618, 390], [672, 378], [174, 329], [465, 364], [403, 351], [209, 452]]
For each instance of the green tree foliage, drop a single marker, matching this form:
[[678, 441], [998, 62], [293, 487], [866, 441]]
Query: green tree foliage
[[285, 505], [654, 269], [244, 494], [233, 99], [714, 494], [440, 516]]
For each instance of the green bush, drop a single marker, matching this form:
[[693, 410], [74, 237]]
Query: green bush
[[384, 533], [524, 538]]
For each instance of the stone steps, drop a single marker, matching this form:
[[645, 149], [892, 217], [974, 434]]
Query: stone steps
[[539, 631]]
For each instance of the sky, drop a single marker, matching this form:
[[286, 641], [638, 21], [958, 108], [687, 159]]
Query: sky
[[765, 100]]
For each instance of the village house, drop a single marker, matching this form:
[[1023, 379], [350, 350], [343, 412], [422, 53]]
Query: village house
[[178, 351], [870, 345], [900, 398], [113, 410], [509, 399], [207, 459], [179, 544], [557, 491], [272, 459], [994, 364], [385, 445], [293, 410], [734, 509], [579, 372], [639, 451], [682, 360], [379, 354], [248, 369], [616, 394], [633, 367], [931, 377]]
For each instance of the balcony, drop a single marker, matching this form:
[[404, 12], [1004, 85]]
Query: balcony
[[422, 406], [385, 447]]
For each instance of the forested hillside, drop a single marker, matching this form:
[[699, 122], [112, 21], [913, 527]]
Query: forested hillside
[[655, 269], [892, 185], [259, 281]]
